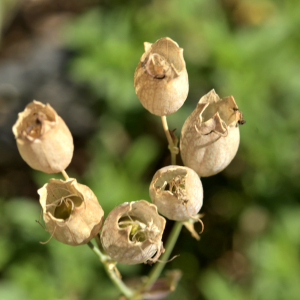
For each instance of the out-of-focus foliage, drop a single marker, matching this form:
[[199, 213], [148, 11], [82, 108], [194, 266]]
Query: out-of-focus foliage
[[257, 63], [250, 246], [43, 271], [273, 263]]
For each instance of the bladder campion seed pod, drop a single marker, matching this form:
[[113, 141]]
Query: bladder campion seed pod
[[210, 136], [160, 79], [132, 233], [177, 192], [71, 211], [43, 139]]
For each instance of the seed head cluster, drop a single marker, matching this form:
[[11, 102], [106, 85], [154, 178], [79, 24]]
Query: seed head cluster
[[132, 232]]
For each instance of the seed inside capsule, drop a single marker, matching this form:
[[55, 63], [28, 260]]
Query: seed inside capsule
[[35, 128], [174, 182], [137, 231], [157, 66], [176, 186], [64, 209]]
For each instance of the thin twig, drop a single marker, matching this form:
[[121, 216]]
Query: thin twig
[[172, 147], [65, 174], [109, 268]]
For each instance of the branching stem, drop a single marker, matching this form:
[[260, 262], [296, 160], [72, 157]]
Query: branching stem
[[157, 269], [112, 274]]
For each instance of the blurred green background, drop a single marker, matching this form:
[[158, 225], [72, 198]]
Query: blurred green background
[[80, 57]]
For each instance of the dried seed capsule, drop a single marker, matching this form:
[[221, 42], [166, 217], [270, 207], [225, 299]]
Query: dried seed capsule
[[71, 211], [177, 192], [132, 233], [160, 79], [43, 139], [210, 135]]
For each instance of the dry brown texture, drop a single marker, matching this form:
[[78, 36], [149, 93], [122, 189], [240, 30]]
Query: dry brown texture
[[43, 139], [210, 135], [116, 239], [177, 192], [84, 221], [161, 79]]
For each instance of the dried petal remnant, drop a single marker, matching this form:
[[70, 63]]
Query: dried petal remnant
[[71, 211], [43, 139], [160, 79], [177, 192], [210, 136], [132, 233]]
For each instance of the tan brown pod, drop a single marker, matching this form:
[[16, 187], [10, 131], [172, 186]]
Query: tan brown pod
[[210, 136], [71, 211], [132, 233], [43, 139], [160, 79], [177, 192]]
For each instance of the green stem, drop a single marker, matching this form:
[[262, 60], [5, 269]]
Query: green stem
[[99, 244], [102, 257], [157, 269], [109, 268]]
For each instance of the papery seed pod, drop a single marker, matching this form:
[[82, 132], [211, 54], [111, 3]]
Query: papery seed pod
[[132, 233], [177, 192], [210, 135], [71, 211], [160, 79], [163, 286], [43, 139]]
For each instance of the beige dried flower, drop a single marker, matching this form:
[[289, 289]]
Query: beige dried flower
[[71, 211], [210, 135], [177, 192], [160, 79], [43, 139], [132, 233]]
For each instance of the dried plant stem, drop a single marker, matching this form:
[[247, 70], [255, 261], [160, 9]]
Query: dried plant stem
[[157, 269], [112, 274], [172, 147], [65, 174]]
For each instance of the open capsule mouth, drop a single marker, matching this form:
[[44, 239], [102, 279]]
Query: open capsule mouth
[[65, 207], [31, 122], [176, 186], [225, 107], [209, 112], [138, 232], [62, 199], [173, 181], [157, 66], [170, 50], [35, 130]]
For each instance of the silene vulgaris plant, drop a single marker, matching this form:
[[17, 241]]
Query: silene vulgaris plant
[[132, 232]]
